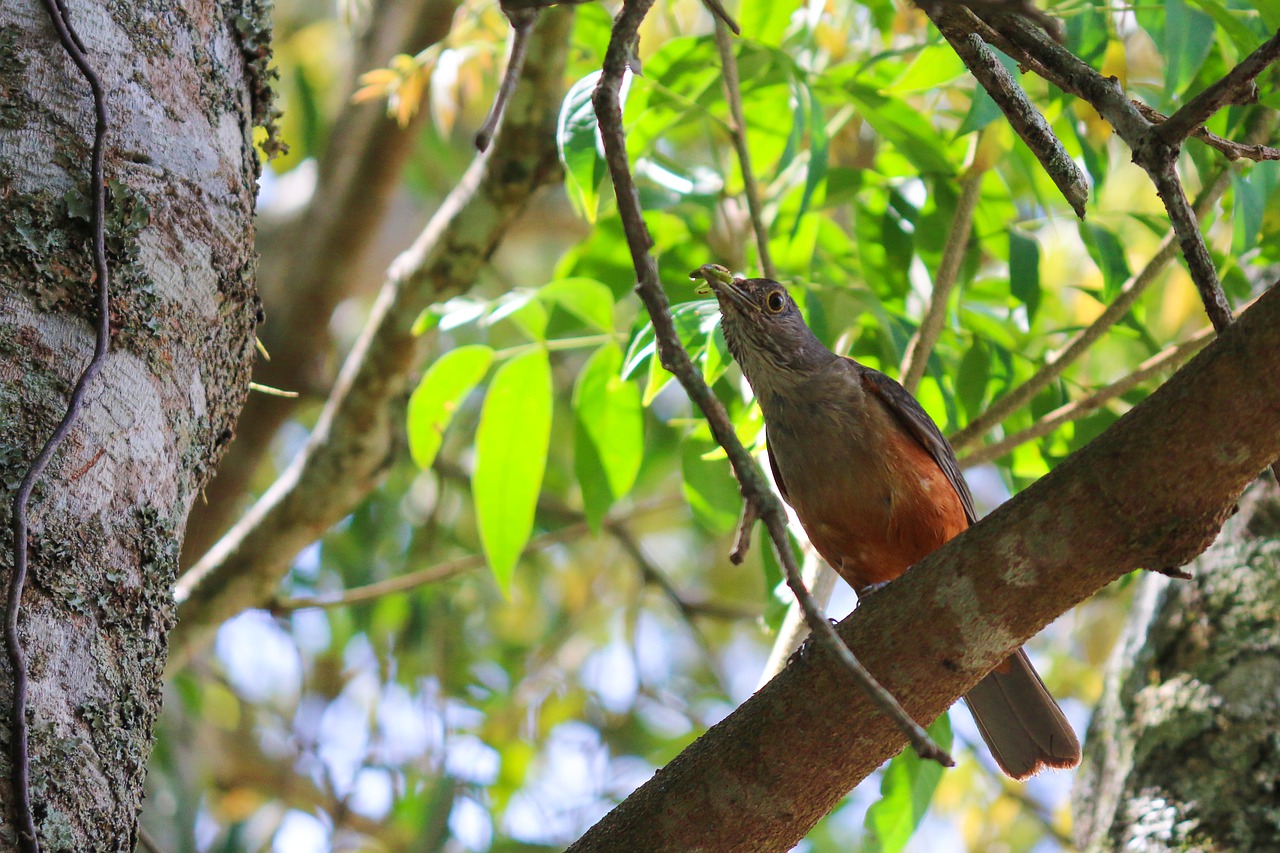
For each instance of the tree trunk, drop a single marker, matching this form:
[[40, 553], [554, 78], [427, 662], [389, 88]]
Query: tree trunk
[[184, 82], [1184, 752]]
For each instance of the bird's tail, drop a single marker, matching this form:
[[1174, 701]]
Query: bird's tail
[[1021, 723]]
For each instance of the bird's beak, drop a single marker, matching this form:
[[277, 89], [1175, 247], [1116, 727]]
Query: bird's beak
[[723, 284]]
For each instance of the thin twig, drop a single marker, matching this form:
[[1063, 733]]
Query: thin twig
[[742, 541], [1168, 359], [442, 571], [1023, 117], [445, 570], [922, 342], [522, 22], [147, 843], [673, 357], [1235, 87], [738, 134], [1194, 250], [24, 818], [651, 574], [1233, 150], [1080, 343], [617, 527]]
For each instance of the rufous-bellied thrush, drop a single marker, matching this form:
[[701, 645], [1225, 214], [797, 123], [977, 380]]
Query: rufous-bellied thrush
[[876, 487]]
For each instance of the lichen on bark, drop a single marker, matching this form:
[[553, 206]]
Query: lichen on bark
[[107, 516], [1184, 749]]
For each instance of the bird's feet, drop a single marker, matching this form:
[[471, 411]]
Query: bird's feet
[[869, 590], [806, 649]]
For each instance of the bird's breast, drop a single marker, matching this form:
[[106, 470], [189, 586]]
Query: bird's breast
[[870, 497]]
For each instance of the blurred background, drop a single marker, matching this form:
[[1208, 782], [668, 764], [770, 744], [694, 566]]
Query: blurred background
[[498, 704]]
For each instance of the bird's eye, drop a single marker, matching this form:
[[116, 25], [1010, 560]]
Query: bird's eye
[[775, 301]]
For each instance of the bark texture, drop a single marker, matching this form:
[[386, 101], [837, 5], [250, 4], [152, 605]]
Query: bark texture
[[1184, 750], [184, 83]]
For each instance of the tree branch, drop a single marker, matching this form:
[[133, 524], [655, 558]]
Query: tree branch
[[313, 262], [738, 135], [1236, 87], [1169, 358], [922, 342], [1152, 490], [348, 451], [1155, 147], [1023, 117], [1080, 343], [1194, 250], [754, 487], [1233, 150]]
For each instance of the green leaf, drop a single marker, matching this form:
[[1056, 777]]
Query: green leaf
[[609, 410], [1107, 252], [658, 379], [972, 378], [766, 22], [1252, 192], [523, 309], [576, 132], [1242, 37], [511, 456], [1024, 272], [587, 299], [709, 486], [933, 67], [1270, 12], [597, 497], [904, 127], [717, 357], [816, 174], [1188, 36], [432, 404], [906, 789]]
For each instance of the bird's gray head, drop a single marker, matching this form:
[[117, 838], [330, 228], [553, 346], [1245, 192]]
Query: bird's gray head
[[765, 332]]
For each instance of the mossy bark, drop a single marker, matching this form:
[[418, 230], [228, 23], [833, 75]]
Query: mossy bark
[[184, 82], [1184, 749]]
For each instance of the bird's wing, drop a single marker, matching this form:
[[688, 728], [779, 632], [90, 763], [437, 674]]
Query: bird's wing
[[921, 427], [777, 476]]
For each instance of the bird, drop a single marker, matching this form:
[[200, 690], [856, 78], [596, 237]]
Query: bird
[[876, 487]]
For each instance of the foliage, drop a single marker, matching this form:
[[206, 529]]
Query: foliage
[[507, 711]]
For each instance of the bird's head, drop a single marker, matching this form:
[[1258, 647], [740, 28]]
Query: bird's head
[[764, 329]]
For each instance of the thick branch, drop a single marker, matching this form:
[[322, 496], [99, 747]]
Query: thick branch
[[354, 438], [1152, 490]]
